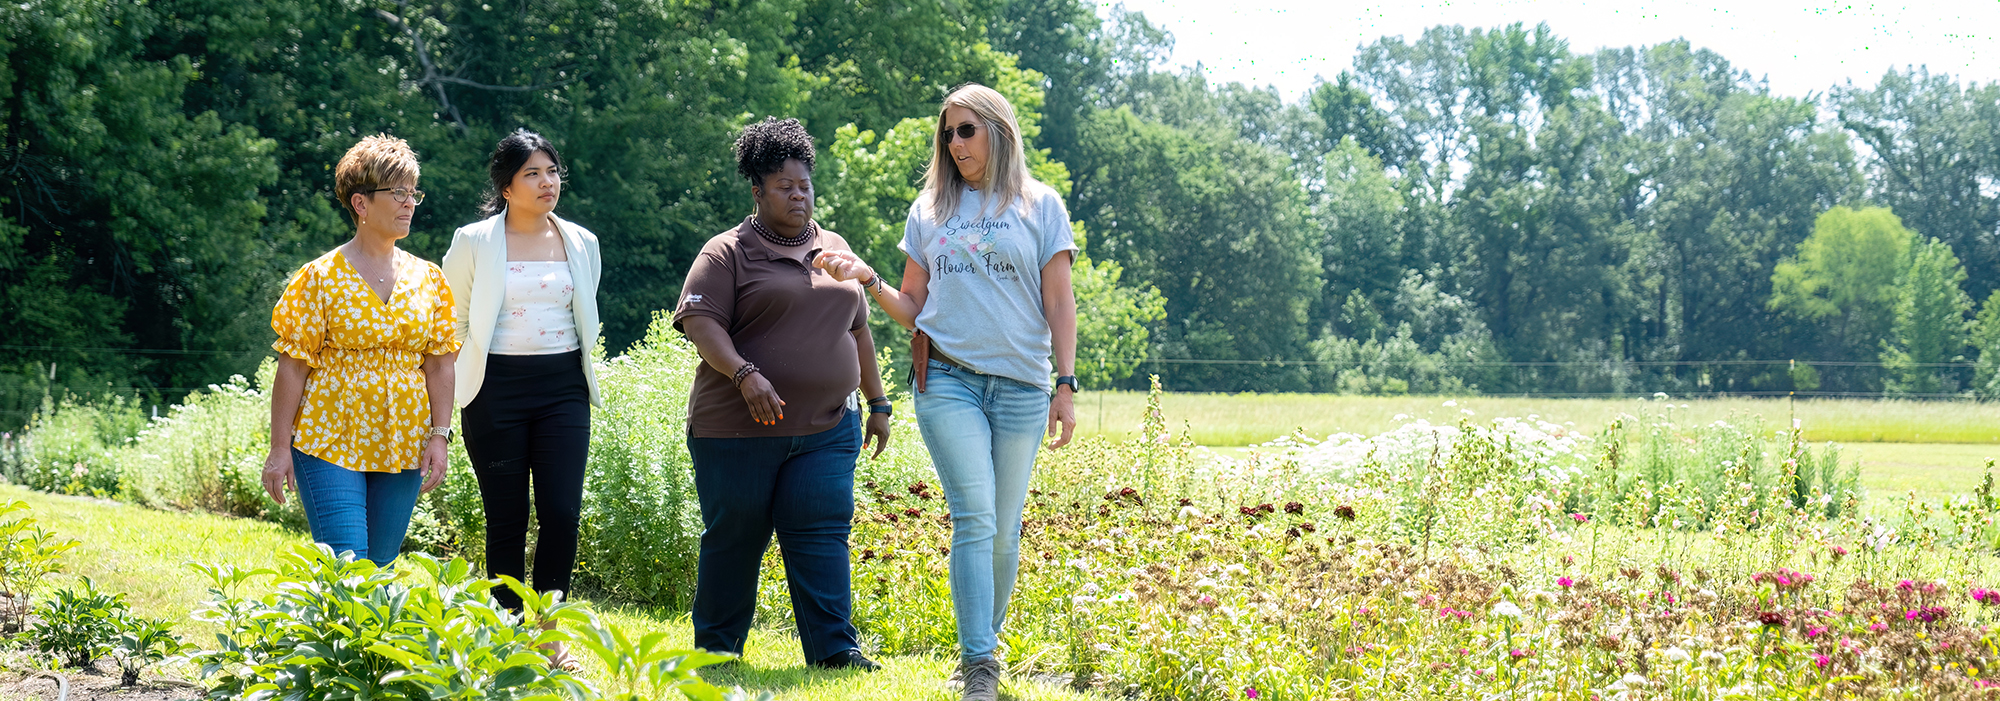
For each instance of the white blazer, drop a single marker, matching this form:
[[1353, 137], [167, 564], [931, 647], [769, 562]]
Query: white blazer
[[475, 267]]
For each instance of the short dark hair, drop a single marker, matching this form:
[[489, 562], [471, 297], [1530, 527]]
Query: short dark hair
[[507, 159], [765, 146]]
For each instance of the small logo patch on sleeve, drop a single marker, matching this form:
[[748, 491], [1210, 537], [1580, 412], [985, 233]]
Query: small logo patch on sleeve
[[694, 299]]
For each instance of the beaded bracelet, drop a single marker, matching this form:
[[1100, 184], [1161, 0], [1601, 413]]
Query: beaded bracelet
[[742, 372]]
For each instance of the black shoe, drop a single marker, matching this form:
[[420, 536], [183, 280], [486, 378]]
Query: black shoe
[[848, 659]]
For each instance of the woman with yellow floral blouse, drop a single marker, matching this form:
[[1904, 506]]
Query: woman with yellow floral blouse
[[361, 409]]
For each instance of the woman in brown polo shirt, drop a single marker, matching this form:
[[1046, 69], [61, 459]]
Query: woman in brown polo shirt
[[772, 436]]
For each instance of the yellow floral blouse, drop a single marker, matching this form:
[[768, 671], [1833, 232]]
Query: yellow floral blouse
[[365, 407]]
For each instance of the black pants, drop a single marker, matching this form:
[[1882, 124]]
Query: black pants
[[530, 424]]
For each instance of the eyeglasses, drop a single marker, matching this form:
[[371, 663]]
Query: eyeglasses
[[964, 131], [400, 194]]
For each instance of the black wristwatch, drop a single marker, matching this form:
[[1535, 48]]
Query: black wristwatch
[[881, 405], [1071, 381]]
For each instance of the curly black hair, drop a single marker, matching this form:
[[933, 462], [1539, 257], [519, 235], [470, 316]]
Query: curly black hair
[[765, 146]]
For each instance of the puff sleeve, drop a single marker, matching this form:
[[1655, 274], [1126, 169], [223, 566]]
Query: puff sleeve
[[300, 317], [441, 336]]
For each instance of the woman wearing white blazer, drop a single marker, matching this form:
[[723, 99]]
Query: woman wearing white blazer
[[525, 283]]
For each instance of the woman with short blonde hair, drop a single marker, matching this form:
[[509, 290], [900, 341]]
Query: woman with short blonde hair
[[361, 407], [986, 286]]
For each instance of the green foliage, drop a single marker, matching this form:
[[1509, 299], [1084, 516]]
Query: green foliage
[[1112, 321], [28, 555], [335, 628], [72, 444], [141, 643], [1985, 339], [1846, 272], [208, 453], [79, 626], [641, 523], [1930, 321], [1217, 225]]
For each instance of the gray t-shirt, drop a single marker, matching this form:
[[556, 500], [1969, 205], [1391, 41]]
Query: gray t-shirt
[[984, 307]]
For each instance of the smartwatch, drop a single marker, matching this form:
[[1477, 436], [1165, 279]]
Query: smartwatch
[[1071, 381], [881, 405]]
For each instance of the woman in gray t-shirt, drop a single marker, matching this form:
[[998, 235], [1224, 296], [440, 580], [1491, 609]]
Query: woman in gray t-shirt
[[986, 283]]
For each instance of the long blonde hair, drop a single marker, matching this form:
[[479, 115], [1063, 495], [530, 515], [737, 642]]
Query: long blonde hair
[[1007, 178]]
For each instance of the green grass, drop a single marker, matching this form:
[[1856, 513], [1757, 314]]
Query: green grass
[[142, 553], [1245, 419]]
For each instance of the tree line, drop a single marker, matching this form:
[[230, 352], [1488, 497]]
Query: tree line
[[1468, 210]]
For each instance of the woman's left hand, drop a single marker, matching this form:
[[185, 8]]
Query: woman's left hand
[[877, 430], [1062, 410], [436, 461]]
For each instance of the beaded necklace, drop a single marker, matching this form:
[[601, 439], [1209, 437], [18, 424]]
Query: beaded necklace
[[807, 234]]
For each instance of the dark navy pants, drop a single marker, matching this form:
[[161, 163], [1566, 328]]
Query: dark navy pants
[[802, 488]]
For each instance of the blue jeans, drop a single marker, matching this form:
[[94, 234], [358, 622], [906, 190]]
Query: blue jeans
[[366, 513], [803, 488], [982, 432]]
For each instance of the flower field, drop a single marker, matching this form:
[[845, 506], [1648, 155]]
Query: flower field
[[1651, 556]]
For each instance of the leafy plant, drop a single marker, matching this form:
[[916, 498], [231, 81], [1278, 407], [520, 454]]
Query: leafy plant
[[335, 628], [79, 626], [142, 642], [28, 555]]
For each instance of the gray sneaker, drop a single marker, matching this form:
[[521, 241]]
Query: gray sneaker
[[982, 680]]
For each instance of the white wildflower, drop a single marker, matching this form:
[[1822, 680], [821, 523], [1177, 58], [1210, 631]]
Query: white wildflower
[[1675, 654], [1506, 609]]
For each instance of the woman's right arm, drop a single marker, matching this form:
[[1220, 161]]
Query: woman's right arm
[[719, 351], [286, 392], [903, 304]]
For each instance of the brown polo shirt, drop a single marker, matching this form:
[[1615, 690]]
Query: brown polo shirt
[[794, 321]]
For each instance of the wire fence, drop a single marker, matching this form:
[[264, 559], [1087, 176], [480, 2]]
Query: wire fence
[[1160, 363]]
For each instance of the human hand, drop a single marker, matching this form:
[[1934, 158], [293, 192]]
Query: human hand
[[765, 406], [1062, 410], [877, 430], [278, 475], [844, 266], [435, 462]]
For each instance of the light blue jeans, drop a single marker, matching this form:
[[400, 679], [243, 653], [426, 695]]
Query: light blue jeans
[[982, 432], [366, 513]]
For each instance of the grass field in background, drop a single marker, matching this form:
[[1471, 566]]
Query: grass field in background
[[1246, 419]]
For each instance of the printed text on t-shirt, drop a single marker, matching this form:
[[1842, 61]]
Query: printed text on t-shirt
[[974, 240]]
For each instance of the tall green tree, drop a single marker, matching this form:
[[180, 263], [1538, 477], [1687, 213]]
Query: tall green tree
[[1844, 278], [1930, 322], [1218, 224], [1934, 154], [127, 214], [1985, 339]]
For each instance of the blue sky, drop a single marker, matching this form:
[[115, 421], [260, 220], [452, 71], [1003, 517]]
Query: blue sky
[[1800, 47]]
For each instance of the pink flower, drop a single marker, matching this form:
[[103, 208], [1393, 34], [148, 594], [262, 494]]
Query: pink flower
[[1878, 627], [1821, 660], [1207, 600], [1580, 518], [1249, 692], [1815, 631], [1906, 586], [1839, 552], [1565, 582]]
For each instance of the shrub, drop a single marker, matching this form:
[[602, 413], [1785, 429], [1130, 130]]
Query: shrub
[[142, 642], [208, 453], [333, 627], [78, 626], [28, 555], [71, 447]]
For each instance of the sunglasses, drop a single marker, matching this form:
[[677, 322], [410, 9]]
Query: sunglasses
[[400, 194], [964, 131]]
